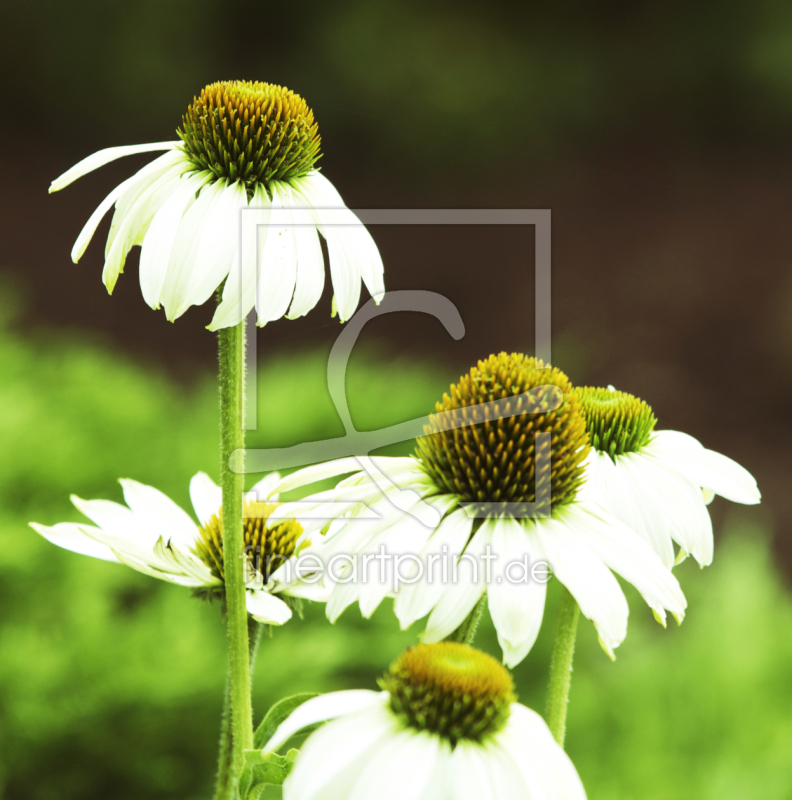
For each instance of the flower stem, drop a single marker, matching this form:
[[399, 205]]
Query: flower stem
[[223, 782], [561, 665], [466, 632], [232, 437]]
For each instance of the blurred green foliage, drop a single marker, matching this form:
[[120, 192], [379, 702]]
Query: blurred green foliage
[[110, 682]]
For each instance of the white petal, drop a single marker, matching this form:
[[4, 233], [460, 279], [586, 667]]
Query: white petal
[[134, 225], [461, 596], [278, 260], [322, 708], [114, 520], [355, 239], [177, 288], [591, 583], [319, 472], [310, 265], [631, 496], [267, 608], [529, 741], [263, 489], [706, 468], [239, 292], [331, 759], [158, 253], [681, 507], [517, 607], [483, 772], [160, 513], [206, 496], [217, 248], [628, 555], [102, 157], [416, 600], [143, 180], [71, 536], [183, 562], [401, 540], [411, 756], [86, 234]]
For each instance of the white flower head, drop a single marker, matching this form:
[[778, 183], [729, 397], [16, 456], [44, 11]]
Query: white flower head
[[657, 482], [446, 727], [243, 146], [153, 535], [501, 468]]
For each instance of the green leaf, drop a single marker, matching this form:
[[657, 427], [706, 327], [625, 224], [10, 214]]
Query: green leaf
[[276, 715], [262, 770]]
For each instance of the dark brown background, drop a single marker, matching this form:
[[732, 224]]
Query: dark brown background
[[657, 134]]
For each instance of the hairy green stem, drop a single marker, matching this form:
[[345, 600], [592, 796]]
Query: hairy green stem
[[232, 438], [466, 632], [561, 666], [223, 782]]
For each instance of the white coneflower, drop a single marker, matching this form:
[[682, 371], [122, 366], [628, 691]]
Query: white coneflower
[[446, 727], [243, 144], [153, 535], [657, 482], [511, 432]]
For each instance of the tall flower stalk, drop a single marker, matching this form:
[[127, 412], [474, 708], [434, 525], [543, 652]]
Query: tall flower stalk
[[561, 666], [232, 438]]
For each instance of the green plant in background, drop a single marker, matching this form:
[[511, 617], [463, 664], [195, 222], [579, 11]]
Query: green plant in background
[[114, 681]]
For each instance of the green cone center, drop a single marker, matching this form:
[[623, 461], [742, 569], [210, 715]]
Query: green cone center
[[616, 422], [498, 454], [251, 132], [266, 547], [450, 689]]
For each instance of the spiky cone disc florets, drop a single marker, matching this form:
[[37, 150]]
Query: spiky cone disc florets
[[450, 689], [481, 455], [251, 132], [616, 422], [267, 547]]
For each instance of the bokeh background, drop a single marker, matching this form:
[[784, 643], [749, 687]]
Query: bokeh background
[[658, 135]]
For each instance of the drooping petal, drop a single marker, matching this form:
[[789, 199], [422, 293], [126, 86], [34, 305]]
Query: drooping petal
[[206, 496], [277, 261], [175, 292], [86, 234], [263, 489], [416, 600], [239, 292], [323, 708], [632, 497], [628, 555], [342, 225], [541, 760], [267, 608], [516, 601], [158, 250], [706, 468], [331, 759], [464, 591], [410, 754], [591, 583], [102, 157], [71, 536], [144, 179], [218, 246], [159, 513], [310, 263]]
